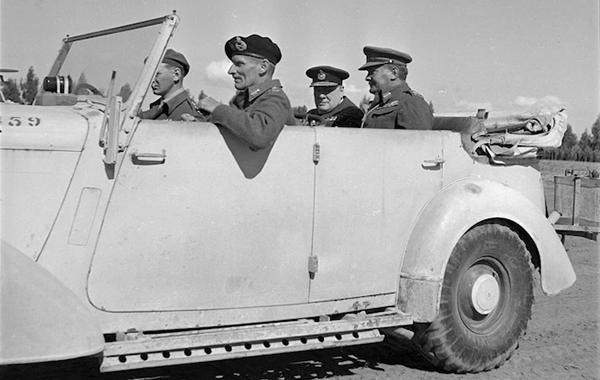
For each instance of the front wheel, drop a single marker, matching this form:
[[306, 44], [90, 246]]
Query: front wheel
[[486, 300]]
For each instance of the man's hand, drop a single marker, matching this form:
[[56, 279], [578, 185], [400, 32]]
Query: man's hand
[[207, 104], [188, 117]]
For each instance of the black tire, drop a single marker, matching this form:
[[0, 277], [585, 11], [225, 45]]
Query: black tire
[[486, 300]]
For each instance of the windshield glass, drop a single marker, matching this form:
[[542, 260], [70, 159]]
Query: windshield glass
[[91, 61]]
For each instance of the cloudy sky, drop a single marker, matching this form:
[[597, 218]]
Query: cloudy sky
[[505, 56]]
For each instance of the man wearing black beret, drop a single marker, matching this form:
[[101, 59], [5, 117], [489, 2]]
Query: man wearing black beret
[[396, 105], [333, 108], [174, 102], [260, 108]]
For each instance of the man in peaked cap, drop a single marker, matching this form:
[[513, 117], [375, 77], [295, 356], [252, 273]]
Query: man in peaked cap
[[174, 102], [333, 108], [396, 105], [260, 108]]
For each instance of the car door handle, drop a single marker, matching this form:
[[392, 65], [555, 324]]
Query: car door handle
[[433, 163], [142, 158]]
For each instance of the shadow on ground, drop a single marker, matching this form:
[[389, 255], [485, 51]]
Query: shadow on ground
[[303, 365]]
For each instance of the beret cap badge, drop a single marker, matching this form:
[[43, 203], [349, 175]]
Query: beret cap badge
[[321, 75], [253, 46], [239, 45]]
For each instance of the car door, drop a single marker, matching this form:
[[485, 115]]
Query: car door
[[199, 221], [370, 186]]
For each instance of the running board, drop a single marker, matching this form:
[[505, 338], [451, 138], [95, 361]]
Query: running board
[[236, 342]]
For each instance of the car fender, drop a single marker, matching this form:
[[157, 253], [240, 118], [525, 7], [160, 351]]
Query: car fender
[[448, 216], [41, 319]]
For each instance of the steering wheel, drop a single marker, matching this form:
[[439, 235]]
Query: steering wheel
[[86, 87]]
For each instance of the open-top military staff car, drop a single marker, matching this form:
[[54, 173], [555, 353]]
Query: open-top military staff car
[[138, 243]]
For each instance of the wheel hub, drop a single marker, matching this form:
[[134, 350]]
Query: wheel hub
[[485, 294]]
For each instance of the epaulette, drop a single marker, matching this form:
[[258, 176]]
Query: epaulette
[[275, 89], [417, 94]]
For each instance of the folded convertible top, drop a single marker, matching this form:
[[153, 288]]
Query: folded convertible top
[[520, 136]]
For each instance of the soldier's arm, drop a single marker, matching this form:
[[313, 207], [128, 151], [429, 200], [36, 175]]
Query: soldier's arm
[[415, 114], [259, 127]]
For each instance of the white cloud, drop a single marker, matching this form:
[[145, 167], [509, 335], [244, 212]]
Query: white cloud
[[545, 102], [473, 106], [216, 71], [525, 101], [356, 94], [352, 89], [551, 100]]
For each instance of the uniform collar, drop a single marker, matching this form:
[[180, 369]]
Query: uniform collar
[[394, 92], [256, 90], [172, 95], [382, 98], [175, 98]]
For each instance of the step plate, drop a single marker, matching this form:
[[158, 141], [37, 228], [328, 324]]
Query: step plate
[[233, 351], [231, 343]]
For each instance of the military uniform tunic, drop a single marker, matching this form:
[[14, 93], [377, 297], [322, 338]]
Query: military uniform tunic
[[172, 109], [345, 114], [256, 115], [400, 108]]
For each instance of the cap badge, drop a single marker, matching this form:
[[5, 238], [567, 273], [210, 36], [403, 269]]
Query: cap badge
[[321, 75], [239, 45]]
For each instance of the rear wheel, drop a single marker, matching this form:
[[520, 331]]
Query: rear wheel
[[486, 300]]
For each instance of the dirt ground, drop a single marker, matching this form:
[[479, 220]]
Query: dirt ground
[[561, 340]]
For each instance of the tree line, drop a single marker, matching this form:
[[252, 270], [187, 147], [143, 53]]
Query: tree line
[[584, 148], [573, 148]]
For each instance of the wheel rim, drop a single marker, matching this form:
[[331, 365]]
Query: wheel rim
[[483, 294]]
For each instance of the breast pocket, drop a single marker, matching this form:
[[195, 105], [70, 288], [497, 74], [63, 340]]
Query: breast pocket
[[384, 117]]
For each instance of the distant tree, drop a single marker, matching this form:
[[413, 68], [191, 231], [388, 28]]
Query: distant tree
[[201, 95], [569, 148], [189, 94], [29, 88], [596, 135], [365, 103], [125, 92], [431, 106], [585, 147], [11, 91], [300, 112]]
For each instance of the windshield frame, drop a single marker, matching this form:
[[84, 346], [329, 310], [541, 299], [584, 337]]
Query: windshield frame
[[169, 24]]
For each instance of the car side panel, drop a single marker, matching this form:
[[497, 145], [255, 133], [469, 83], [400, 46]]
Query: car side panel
[[214, 226], [40, 149], [371, 185]]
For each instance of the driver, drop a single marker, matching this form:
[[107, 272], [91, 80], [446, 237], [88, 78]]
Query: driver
[[174, 102]]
